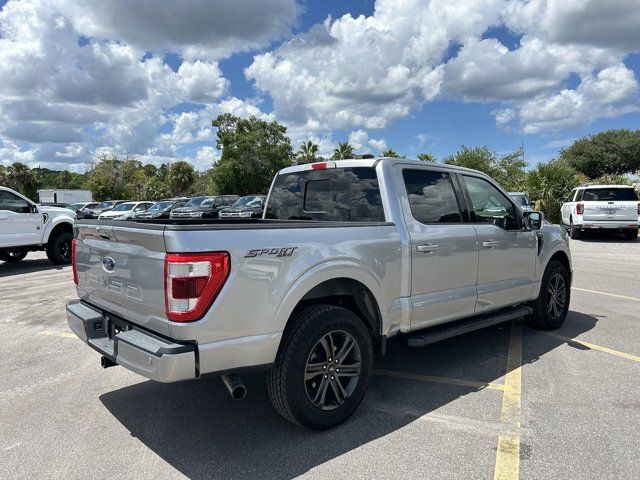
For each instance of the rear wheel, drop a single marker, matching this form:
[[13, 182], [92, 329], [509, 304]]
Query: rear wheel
[[59, 248], [552, 305], [574, 232], [322, 369], [631, 234], [13, 256]]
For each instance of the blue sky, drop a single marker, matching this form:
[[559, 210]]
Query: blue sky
[[86, 77]]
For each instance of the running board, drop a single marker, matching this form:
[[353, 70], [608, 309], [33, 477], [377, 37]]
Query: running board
[[453, 329]]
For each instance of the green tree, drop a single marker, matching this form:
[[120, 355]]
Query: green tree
[[612, 152], [512, 174], [390, 152], [181, 177], [477, 158], [156, 189], [22, 179], [344, 150], [252, 152], [307, 153], [104, 179], [150, 170], [427, 157], [549, 184], [136, 184]]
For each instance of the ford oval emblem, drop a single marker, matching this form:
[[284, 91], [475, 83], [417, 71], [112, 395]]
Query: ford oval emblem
[[109, 264]]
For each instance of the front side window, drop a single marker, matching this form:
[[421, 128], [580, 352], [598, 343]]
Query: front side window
[[124, 207], [334, 194], [13, 203], [489, 204], [431, 196]]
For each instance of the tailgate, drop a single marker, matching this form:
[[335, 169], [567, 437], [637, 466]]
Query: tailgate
[[610, 211], [121, 270]]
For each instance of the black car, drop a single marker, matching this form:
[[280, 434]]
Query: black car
[[81, 206], [208, 207], [250, 206], [160, 209], [100, 208]]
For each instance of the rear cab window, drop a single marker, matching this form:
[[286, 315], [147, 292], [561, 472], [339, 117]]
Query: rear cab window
[[349, 194], [609, 194]]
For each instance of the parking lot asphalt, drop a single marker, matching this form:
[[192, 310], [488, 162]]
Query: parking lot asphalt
[[506, 401]]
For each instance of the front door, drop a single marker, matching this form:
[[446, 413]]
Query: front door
[[18, 224], [444, 252], [507, 253]]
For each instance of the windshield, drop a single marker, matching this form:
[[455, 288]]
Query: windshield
[[521, 200], [208, 202], [104, 205], [195, 201], [123, 207], [248, 202], [76, 206], [160, 206], [611, 194]]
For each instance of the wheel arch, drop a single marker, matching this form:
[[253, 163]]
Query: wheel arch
[[562, 257], [56, 227]]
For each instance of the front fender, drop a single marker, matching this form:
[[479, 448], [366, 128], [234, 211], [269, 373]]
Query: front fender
[[554, 240], [51, 224]]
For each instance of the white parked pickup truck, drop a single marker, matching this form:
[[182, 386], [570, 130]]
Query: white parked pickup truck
[[25, 226], [347, 255], [613, 208]]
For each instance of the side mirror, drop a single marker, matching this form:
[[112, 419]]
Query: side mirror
[[534, 220], [33, 208]]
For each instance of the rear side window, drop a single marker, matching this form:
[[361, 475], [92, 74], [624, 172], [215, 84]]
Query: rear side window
[[610, 194], [338, 195], [431, 196]]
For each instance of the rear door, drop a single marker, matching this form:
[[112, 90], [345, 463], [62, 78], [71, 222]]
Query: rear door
[[19, 225], [444, 250], [507, 253]]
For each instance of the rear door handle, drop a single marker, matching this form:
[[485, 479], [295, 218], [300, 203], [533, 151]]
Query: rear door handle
[[490, 244], [430, 248]]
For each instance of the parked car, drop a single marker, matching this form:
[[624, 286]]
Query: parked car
[[251, 206], [522, 201], [160, 209], [387, 247], [25, 226], [125, 210], [100, 208], [613, 208], [209, 207], [79, 207]]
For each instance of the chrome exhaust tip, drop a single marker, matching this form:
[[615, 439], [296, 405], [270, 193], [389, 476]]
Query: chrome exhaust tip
[[234, 385]]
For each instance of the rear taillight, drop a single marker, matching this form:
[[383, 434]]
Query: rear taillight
[[74, 268], [192, 282], [580, 208]]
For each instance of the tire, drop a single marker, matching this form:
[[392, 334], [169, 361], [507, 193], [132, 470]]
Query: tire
[[295, 381], [546, 316], [574, 232], [59, 248], [13, 256], [631, 234]]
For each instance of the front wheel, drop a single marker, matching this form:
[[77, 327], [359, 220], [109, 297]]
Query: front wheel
[[59, 248], [322, 368], [13, 256], [552, 305]]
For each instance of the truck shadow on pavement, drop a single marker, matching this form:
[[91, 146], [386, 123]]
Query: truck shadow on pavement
[[27, 266], [200, 431]]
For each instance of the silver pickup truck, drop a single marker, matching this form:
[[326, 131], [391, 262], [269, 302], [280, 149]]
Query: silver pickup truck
[[347, 255]]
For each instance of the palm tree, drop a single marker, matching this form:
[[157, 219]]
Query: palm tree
[[390, 152], [427, 157], [308, 152], [20, 177], [343, 151]]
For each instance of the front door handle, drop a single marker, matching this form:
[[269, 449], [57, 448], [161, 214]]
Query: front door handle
[[430, 248], [490, 244]]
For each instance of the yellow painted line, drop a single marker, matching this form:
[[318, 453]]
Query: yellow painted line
[[593, 346], [57, 334], [508, 452], [615, 295], [435, 379]]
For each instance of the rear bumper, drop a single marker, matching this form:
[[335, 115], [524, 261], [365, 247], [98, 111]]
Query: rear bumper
[[148, 355], [604, 224]]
